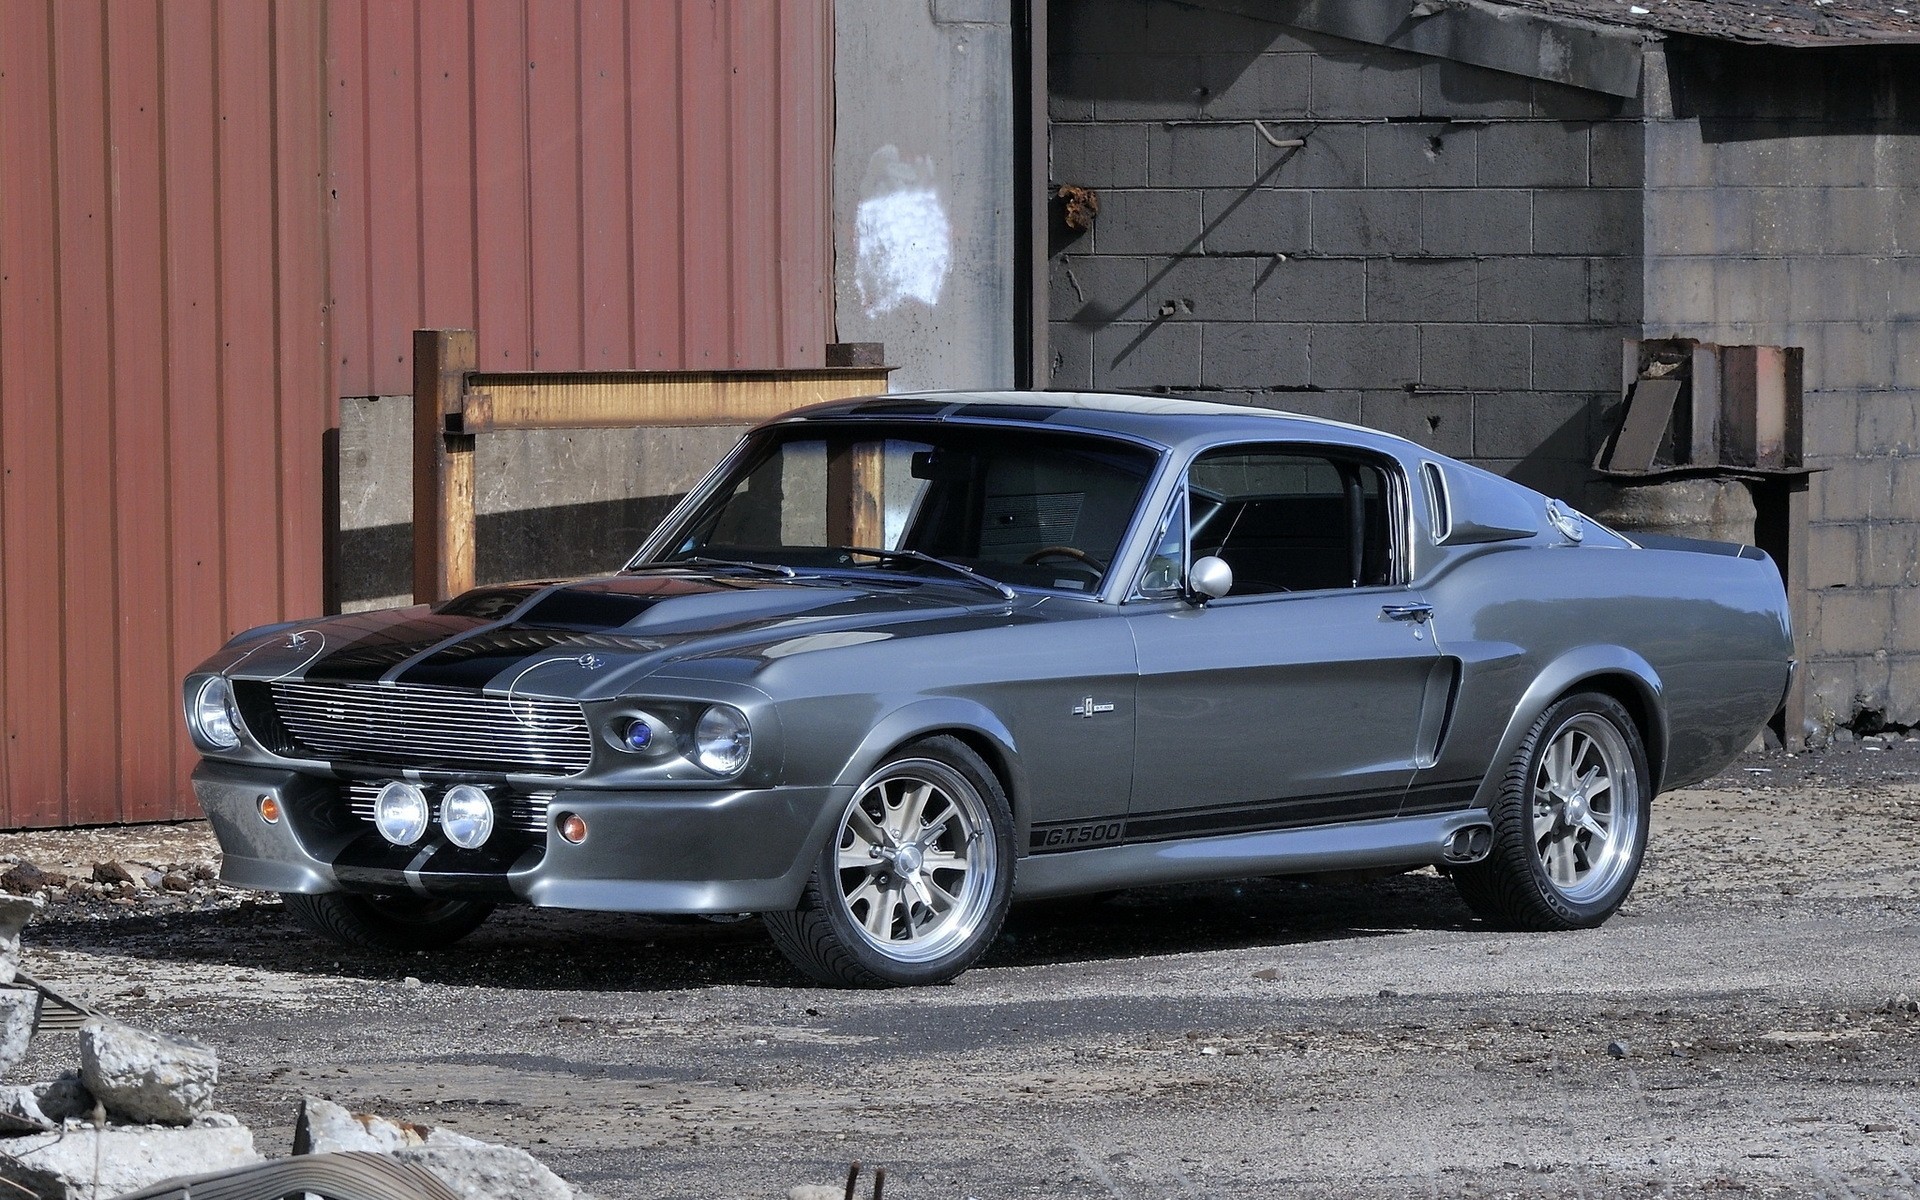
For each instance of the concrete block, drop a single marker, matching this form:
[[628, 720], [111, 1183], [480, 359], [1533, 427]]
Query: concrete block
[[1676, 156], [1577, 358], [89, 1164], [1831, 424], [1164, 354], [1902, 276], [1832, 685], [1373, 82], [1136, 87], [1419, 155], [1902, 501], [1261, 221], [1599, 221], [1903, 687], [1833, 556], [1094, 289], [1889, 424], [1475, 357], [1097, 26], [1451, 89], [1853, 620], [1557, 102], [1545, 290], [1439, 422], [1099, 156], [1422, 289], [1256, 355], [1566, 478], [1519, 425], [1532, 154], [1312, 289], [1616, 154], [1847, 355], [1824, 221], [1147, 222], [1365, 356], [1906, 355], [1214, 31], [1366, 221], [1478, 222], [480, 1171], [1890, 555], [1906, 619], [17, 1009], [1265, 87], [1197, 288], [1855, 489], [1824, 288], [1906, 218], [1694, 220], [324, 1127], [1211, 155], [20, 1112], [1070, 354], [147, 1077], [1334, 157], [1615, 290], [1333, 406]]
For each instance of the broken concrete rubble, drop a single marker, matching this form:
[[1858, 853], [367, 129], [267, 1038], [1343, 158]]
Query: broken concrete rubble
[[91, 1164], [17, 1009], [475, 1169], [20, 1112], [64, 1097], [147, 1077], [15, 912]]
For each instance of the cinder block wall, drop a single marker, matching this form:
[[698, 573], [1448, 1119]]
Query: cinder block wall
[[1781, 210], [1454, 254]]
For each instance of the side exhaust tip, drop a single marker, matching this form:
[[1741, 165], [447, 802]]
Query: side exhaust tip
[[1468, 844]]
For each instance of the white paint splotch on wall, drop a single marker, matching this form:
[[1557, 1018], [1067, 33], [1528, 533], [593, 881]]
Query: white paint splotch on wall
[[903, 242]]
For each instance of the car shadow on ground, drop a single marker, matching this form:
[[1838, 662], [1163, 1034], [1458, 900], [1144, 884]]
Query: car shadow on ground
[[547, 950]]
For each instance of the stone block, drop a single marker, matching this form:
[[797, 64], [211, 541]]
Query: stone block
[[1419, 155], [1164, 354], [1853, 620], [1334, 156], [89, 1164], [1365, 356], [1509, 425], [1476, 357], [1366, 222], [1255, 355], [1890, 556], [1833, 556], [1261, 221], [1201, 288], [1422, 289], [17, 1009], [1099, 156], [1614, 290], [1374, 82], [1532, 154], [1451, 90], [1095, 289], [147, 1077], [1263, 88], [1616, 154], [1544, 290], [1312, 289], [1441, 423], [1577, 358], [1208, 155], [1070, 354], [1480, 221], [1596, 221], [15, 912], [1147, 222]]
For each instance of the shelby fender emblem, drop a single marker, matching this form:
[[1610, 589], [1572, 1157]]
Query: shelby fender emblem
[[1086, 708]]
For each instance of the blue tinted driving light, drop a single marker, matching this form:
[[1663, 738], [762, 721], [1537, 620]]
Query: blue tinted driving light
[[639, 735]]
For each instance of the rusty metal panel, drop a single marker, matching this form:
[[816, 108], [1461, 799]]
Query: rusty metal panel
[[164, 381], [589, 184]]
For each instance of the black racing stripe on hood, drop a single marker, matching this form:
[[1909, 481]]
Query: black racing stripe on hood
[[369, 658], [476, 661]]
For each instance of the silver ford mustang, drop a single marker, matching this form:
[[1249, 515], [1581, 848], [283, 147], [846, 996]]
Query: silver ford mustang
[[901, 661]]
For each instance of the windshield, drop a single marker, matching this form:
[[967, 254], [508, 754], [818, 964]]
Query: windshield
[[1031, 508]]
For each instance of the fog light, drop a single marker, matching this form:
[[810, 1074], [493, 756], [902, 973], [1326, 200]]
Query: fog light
[[572, 827], [639, 735], [400, 813], [466, 816], [269, 810]]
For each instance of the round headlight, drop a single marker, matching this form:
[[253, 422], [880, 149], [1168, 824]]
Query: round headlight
[[721, 739], [400, 813], [466, 816], [213, 714]]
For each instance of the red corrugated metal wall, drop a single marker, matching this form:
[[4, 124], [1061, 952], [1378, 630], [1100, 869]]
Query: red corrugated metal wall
[[589, 184], [164, 381]]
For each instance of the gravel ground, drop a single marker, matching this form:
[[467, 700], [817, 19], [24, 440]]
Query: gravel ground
[[1741, 1028]]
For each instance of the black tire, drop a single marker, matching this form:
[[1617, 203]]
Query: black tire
[[1549, 867], [390, 924], [829, 937]]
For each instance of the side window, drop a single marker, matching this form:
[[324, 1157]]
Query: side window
[[1291, 519]]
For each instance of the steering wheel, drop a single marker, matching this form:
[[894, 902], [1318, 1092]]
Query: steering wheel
[[1073, 552]]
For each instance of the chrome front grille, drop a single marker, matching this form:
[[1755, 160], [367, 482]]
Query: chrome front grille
[[522, 813], [435, 727]]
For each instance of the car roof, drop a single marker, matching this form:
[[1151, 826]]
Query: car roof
[[1168, 421]]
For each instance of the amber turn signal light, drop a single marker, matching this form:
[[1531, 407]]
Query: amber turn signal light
[[573, 827], [269, 810]]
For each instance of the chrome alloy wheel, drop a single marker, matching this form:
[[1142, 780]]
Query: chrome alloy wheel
[[916, 863], [1586, 808]]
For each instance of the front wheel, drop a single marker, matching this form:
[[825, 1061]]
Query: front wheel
[[387, 923], [915, 882], [1570, 824]]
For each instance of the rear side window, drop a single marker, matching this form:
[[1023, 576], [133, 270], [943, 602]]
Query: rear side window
[[1287, 519]]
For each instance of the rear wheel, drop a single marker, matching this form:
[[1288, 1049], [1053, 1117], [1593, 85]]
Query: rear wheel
[[387, 923], [915, 882], [1570, 825]]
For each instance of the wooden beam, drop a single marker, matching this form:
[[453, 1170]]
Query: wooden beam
[[443, 516], [856, 495], [638, 399]]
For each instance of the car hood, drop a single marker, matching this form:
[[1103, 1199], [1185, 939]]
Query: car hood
[[594, 638]]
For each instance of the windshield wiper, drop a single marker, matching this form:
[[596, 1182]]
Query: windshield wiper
[[703, 561], [967, 573]]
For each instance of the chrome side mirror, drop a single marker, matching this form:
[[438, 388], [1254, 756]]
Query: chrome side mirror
[[1208, 578]]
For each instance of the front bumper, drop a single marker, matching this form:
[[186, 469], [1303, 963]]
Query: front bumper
[[708, 851]]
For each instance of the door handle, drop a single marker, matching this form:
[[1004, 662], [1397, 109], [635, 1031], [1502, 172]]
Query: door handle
[[1419, 614]]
